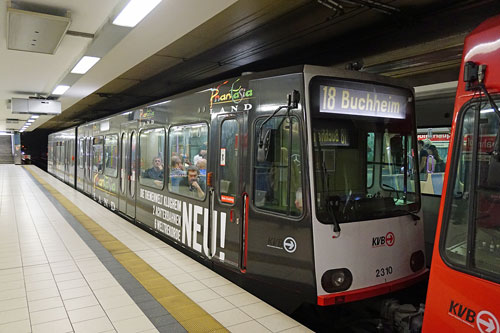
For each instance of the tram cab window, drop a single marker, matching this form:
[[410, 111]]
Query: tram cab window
[[152, 157], [278, 180], [188, 148], [97, 148], [362, 168], [111, 155], [474, 198], [81, 152]]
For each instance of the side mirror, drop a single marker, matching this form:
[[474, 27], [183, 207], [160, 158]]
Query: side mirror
[[295, 99], [265, 145]]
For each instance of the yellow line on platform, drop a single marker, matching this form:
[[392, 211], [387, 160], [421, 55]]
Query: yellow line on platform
[[189, 314]]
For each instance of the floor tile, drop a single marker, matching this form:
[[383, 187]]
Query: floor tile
[[93, 325], [248, 327], [258, 310], [124, 312], [9, 316], [87, 313], [45, 316], [41, 294], [277, 322], [14, 303], [231, 317], [137, 324], [242, 299], [22, 326], [202, 295], [45, 303], [59, 326], [216, 305]]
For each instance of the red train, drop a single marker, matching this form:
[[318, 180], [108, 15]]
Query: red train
[[464, 290]]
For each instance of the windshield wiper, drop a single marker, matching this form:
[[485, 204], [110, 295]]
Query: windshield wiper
[[329, 202], [394, 189]]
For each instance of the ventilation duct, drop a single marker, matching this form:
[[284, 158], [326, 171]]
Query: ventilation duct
[[35, 32], [35, 105]]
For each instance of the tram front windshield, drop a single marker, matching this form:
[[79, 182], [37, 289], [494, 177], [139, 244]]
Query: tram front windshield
[[365, 159]]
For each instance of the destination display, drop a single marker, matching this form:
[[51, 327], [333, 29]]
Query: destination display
[[342, 100], [332, 136]]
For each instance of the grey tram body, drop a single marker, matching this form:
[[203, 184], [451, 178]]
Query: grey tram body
[[234, 237]]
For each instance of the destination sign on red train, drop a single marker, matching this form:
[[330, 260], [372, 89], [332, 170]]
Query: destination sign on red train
[[486, 143], [435, 137], [342, 100]]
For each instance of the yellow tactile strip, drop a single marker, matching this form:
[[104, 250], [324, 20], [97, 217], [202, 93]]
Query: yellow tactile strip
[[189, 314]]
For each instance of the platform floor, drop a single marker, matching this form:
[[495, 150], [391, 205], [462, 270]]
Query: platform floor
[[68, 264]]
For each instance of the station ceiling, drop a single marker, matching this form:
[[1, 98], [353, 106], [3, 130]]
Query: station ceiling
[[185, 44]]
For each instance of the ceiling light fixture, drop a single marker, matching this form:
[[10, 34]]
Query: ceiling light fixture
[[31, 120], [86, 63], [60, 89], [134, 12], [35, 116]]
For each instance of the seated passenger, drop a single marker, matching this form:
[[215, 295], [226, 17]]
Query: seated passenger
[[202, 154], [202, 166], [192, 185], [155, 172], [176, 172]]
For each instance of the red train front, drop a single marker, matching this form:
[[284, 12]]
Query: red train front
[[464, 290]]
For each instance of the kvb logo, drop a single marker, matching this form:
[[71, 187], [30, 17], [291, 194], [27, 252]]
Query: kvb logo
[[486, 321], [388, 240], [462, 313]]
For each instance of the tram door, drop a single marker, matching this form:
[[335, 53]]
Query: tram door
[[88, 165], [228, 196], [128, 171]]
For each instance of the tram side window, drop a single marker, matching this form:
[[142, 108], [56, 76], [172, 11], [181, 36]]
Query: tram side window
[[278, 180], [97, 148], [81, 151], [152, 157], [111, 155], [187, 163], [475, 198]]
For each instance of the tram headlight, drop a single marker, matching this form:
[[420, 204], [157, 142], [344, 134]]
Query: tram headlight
[[336, 280], [417, 261]]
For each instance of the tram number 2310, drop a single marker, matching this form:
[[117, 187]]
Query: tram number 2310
[[383, 271]]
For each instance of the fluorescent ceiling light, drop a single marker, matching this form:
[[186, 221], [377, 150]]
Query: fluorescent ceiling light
[[31, 120], [84, 64], [134, 12], [35, 116], [60, 89]]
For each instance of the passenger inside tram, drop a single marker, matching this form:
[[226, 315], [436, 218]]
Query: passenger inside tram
[[177, 172], [155, 172], [192, 185]]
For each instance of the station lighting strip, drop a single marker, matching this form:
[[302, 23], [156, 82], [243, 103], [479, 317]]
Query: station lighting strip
[[129, 16]]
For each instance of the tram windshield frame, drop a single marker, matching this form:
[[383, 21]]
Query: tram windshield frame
[[470, 230], [365, 157]]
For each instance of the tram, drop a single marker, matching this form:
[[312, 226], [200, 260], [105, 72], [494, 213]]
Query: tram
[[464, 290], [295, 183]]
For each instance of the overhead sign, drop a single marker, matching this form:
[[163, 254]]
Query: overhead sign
[[341, 100]]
